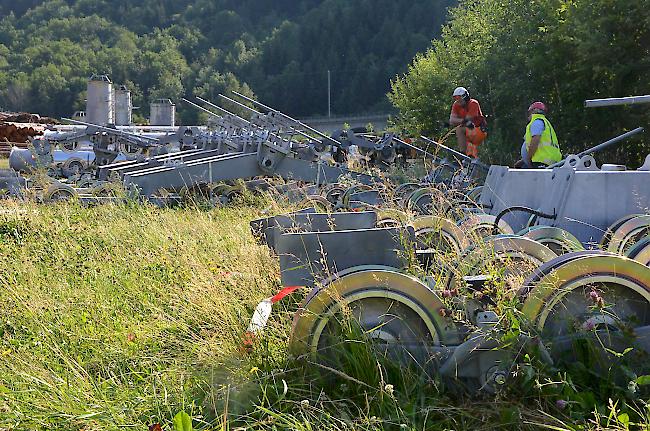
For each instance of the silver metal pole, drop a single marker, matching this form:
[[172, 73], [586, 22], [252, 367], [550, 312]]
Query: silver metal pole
[[221, 109], [612, 101], [446, 148], [207, 111], [301, 124], [110, 130], [329, 95], [420, 150], [241, 105], [300, 132], [602, 146]]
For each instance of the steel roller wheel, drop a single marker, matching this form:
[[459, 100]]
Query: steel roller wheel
[[86, 183], [391, 218], [70, 147], [462, 209], [205, 194], [589, 309], [222, 194], [367, 200], [196, 193], [316, 201], [475, 194], [107, 190], [404, 190], [439, 234], [607, 236], [58, 192], [345, 197], [549, 266], [333, 192], [73, 166], [428, 201], [640, 251], [558, 240], [628, 233], [459, 205], [394, 312], [508, 258], [129, 149], [455, 195], [478, 226]]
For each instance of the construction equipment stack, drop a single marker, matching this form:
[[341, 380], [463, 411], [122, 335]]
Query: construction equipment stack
[[551, 265]]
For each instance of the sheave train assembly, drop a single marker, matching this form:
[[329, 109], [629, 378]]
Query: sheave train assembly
[[419, 271], [568, 248]]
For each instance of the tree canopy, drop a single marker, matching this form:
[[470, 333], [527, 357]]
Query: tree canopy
[[280, 50], [509, 54]]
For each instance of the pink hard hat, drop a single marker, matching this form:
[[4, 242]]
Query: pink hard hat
[[537, 106]]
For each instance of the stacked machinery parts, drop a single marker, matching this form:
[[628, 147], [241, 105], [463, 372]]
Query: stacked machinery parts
[[164, 166], [567, 248], [428, 291]]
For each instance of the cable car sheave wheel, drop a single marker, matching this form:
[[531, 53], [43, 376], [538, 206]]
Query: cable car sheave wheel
[[393, 313], [590, 297]]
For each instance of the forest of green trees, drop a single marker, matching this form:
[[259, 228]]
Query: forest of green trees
[[279, 50], [561, 52]]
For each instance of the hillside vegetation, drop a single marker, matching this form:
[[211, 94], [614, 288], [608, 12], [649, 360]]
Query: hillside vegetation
[[509, 54], [282, 50]]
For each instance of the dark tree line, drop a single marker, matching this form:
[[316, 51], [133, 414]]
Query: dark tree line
[[278, 50]]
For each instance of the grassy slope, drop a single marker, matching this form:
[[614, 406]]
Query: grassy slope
[[120, 316], [117, 317]]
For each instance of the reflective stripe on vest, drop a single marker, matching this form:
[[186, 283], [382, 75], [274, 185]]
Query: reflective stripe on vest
[[548, 150]]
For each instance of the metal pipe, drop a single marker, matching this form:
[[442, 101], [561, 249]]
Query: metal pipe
[[241, 105], [613, 101], [230, 113], [200, 107], [446, 148], [414, 147], [602, 146], [225, 111], [301, 124], [253, 110], [108, 129], [260, 104]]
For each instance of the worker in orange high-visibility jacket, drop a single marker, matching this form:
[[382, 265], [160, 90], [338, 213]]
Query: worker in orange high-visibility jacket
[[471, 128]]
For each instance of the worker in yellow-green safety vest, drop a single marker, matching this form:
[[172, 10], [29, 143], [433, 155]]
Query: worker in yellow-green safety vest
[[540, 148]]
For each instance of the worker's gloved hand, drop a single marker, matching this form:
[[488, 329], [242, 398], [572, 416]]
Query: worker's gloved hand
[[484, 129], [469, 124]]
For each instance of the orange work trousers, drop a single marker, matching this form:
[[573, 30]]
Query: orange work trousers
[[473, 138]]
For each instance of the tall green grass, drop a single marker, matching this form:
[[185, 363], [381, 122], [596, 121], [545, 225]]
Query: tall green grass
[[120, 316]]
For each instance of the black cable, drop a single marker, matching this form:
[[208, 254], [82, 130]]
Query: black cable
[[495, 229]]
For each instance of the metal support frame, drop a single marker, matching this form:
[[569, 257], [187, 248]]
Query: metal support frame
[[309, 257], [585, 201]]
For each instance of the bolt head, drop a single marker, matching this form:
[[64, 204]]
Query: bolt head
[[499, 378]]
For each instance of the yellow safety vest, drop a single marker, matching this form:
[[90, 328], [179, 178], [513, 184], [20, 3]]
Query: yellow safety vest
[[548, 150]]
